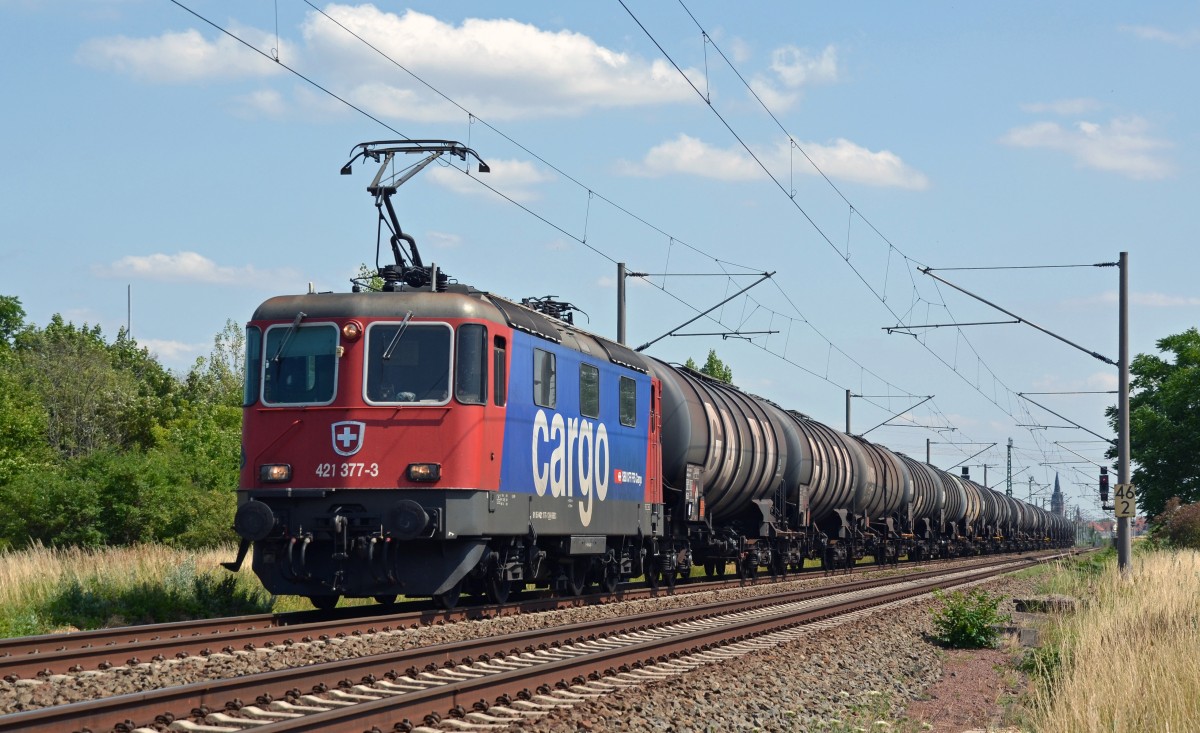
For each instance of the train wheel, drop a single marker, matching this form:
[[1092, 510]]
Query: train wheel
[[497, 587], [669, 579], [449, 599], [386, 599], [577, 580], [710, 569], [324, 603], [651, 572], [612, 578]]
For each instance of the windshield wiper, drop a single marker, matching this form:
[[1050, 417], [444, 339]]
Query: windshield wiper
[[288, 336], [387, 353]]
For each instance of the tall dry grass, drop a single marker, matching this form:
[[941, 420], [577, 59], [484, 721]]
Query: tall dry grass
[[1131, 656], [30, 576], [50, 589]]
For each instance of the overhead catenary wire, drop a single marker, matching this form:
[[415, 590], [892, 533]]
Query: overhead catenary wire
[[581, 240], [590, 192], [853, 210]]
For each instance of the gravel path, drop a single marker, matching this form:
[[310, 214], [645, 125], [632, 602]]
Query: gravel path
[[860, 676]]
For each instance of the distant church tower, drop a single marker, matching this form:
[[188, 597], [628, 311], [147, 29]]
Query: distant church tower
[[1057, 502]]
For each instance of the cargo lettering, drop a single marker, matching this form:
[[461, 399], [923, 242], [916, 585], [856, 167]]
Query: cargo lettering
[[578, 461]]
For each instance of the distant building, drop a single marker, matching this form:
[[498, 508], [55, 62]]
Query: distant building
[[1058, 504]]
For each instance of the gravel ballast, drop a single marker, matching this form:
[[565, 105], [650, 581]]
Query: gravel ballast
[[867, 667]]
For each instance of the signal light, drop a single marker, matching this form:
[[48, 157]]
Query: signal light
[[1103, 485], [351, 331]]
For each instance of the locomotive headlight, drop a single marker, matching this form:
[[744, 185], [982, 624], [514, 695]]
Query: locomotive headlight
[[352, 330], [424, 471], [274, 473]]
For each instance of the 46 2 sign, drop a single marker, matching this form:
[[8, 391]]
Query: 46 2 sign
[[1126, 500]]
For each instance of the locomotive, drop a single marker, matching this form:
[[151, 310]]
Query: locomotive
[[433, 440]]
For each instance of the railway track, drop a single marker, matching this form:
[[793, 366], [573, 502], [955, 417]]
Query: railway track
[[524, 672], [104, 649]]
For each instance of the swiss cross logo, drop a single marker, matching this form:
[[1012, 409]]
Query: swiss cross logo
[[348, 437]]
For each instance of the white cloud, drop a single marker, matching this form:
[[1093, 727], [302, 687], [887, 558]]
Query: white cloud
[[516, 179], [172, 351], [796, 67], [1122, 146], [691, 156], [852, 162], [1062, 107], [181, 57], [500, 69], [497, 68], [842, 159], [1149, 33], [188, 267]]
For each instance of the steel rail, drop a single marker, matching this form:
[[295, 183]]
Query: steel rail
[[42, 656], [432, 702], [200, 698]]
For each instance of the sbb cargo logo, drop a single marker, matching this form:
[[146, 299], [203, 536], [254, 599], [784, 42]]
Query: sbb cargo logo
[[626, 477], [570, 456]]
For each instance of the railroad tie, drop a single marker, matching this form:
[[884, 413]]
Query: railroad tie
[[513, 712], [456, 724], [284, 706], [253, 711], [224, 719], [406, 684], [187, 726], [378, 690], [328, 703]]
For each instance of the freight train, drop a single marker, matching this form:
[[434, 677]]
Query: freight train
[[435, 440]]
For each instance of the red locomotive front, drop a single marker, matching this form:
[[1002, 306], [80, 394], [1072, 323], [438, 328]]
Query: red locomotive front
[[350, 391], [363, 412]]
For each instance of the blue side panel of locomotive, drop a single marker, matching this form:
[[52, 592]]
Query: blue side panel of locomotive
[[566, 458]]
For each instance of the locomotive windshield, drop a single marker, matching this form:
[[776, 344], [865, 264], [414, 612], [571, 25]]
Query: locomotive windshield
[[417, 369], [304, 371]]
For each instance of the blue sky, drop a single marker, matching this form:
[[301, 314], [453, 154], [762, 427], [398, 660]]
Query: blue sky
[[145, 149]]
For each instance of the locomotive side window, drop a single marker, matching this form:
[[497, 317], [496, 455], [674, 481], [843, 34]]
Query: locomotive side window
[[408, 364], [500, 369], [545, 379], [589, 390], [470, 375], [253, 365], [301, 367], [628, 402]]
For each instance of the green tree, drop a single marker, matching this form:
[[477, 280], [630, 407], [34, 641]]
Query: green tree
[[12, 319], [713, 367], [1164, 422], [218, 377], [100, 444], [368, 278], [95, 395]]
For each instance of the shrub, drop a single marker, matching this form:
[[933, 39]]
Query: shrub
[[96, 601], [1179, 525], [968, 621]]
